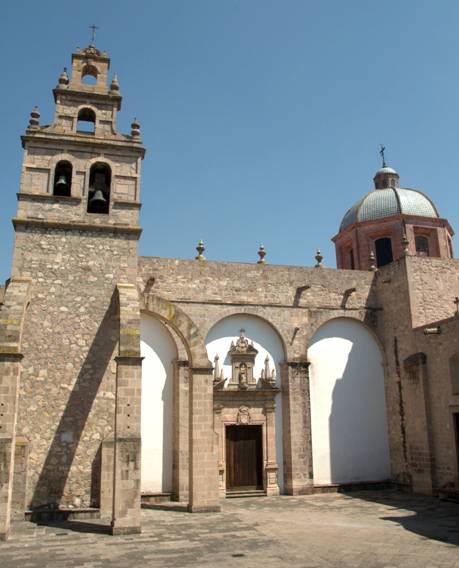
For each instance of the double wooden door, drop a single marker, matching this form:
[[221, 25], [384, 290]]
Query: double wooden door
[[244, 458]]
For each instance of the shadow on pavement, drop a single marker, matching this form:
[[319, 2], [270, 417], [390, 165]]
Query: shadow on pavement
[[426, 516]]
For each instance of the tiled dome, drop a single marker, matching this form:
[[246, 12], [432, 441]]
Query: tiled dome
[[389, 201]]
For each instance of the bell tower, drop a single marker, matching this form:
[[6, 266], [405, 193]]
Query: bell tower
[[80, 169], [77, 228]]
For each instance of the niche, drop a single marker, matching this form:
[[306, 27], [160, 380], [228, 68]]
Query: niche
[[99, 188], [63, 179]]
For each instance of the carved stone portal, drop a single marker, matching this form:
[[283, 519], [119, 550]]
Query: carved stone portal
[[244, 402]]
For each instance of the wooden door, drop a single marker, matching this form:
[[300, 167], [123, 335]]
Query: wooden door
[[244, 458]]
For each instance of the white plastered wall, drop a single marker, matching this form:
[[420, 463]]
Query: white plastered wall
[[267, 342], [159, 351], [348, 406]]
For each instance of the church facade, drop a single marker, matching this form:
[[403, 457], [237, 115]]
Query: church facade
[[126, 379]]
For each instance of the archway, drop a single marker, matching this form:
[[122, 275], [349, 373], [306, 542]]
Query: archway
[[159, 351], [268, 344], [348, 407]]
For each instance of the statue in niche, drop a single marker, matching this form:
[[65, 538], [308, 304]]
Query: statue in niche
[[243, 384]]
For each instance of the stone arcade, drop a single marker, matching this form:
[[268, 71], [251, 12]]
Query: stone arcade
[[233, 378]]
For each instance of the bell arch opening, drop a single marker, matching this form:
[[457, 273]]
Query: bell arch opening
[[86, 121], [99, 188], [348, 405], [89, 74], [62, 179]]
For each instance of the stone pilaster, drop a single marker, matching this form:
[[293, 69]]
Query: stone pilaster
[[271, 467], [421, 457], [20, 478], [11, 323], [296, 414], [127, 445], [106, 478], [203, 452], [180, 431], [219, 430]]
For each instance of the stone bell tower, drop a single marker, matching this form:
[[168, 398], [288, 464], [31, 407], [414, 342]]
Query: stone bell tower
[[77, 357]]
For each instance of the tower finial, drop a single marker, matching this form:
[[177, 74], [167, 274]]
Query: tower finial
[[93, 29], [383, 158]]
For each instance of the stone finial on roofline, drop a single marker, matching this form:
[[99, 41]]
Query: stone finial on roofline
[[319, 259], [200, 248], [261, 253]]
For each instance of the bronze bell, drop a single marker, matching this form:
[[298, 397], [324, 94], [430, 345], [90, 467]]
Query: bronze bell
[[61, 182], [98, 199]]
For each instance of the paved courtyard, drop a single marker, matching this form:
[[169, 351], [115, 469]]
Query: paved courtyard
[[369, 529]]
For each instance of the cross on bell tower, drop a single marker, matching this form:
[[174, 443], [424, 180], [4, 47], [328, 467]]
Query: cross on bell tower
[[93, 29]]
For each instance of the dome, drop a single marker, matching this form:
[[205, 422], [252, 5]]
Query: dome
[[381, 203], [385, 170]]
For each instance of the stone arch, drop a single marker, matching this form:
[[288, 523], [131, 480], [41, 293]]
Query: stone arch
[[181, 323], [159, 350], [59, 157], [87, 169], [357, 320], [348, 403], [245, 311], [271, 348], [89, 113]]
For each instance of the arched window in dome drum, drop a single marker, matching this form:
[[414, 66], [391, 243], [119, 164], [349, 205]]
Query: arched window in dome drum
[[383, 249], [422, 245], [351, 259]]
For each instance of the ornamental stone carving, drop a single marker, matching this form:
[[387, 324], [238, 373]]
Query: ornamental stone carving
[[243, 415]]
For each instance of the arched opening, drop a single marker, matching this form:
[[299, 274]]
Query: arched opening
[[63, 179], [348, 408], [157, 413], [89, 75], [422, 245], [86, 121], [383, 250], [270, 354], [99, 188]]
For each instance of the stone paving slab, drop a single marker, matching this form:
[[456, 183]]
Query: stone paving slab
[[366, 529]]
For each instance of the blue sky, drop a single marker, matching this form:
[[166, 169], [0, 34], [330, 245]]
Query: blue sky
[[262, 119]]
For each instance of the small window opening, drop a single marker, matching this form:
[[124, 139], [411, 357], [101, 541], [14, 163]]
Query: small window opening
[[422, 245], [454, 373], [86, 123], [383, 249], [63, 179], [89, 75], [99, 189]]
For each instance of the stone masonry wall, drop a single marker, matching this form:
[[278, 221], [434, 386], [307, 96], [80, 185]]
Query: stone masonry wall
[[443, 402], [434, 284], [295, 300], [67, 390]]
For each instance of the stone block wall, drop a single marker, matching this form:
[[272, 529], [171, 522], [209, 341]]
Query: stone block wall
[[434, 285], [67, 392]]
